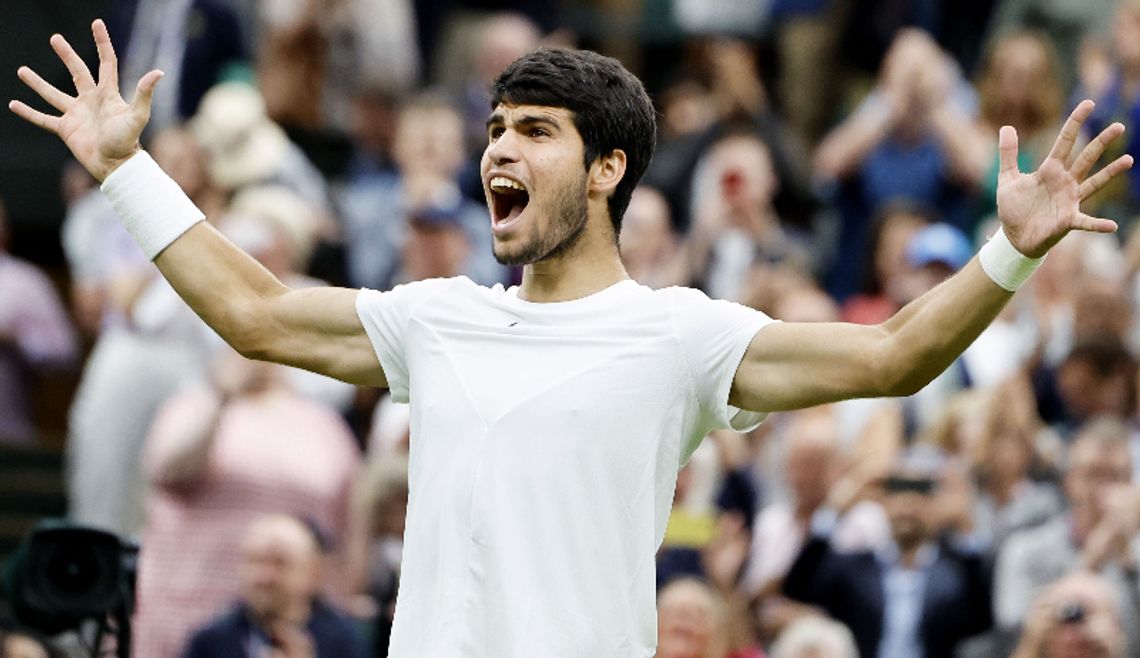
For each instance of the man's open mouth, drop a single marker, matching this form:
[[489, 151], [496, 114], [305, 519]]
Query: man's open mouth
[[508, 199]]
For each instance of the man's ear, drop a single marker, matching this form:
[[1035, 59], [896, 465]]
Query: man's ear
[[606, 172]]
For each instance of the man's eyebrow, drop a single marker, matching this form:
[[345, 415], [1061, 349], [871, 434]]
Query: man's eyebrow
[[525, 120]]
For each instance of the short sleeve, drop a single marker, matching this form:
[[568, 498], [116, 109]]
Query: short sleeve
[[714, 335], [386, 316]]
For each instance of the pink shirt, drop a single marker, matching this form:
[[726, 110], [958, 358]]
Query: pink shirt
[[280, 454]]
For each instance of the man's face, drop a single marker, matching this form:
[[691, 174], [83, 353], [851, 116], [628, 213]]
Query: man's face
[[535, 182], [1092, 474], [907, 499], [278, 570]]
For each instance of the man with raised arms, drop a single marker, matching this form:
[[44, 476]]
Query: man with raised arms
[[549, 419]]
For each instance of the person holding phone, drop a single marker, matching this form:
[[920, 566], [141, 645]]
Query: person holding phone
[[921, 594]]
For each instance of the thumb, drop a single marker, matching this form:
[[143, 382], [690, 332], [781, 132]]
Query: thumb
[[144, 93]]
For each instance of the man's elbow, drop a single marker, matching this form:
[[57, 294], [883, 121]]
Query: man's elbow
[[897, 373]]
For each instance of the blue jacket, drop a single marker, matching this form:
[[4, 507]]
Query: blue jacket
[[334, 634]]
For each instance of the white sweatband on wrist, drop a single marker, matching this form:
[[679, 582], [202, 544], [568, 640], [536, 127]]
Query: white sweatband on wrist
[[1002, 262], [154, 209]]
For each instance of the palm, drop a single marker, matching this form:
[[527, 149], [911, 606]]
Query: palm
[[1040, 208], [97, 125]]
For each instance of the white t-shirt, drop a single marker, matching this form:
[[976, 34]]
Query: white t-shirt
[[545, 444]]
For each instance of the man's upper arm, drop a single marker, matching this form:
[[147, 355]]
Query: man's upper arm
[[318, 329], [790, 365]]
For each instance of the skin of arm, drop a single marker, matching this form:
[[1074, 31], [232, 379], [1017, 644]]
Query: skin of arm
[[789, 366], [316, 329]]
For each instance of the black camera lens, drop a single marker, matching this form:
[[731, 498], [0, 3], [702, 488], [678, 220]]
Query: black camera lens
[[72, 569]]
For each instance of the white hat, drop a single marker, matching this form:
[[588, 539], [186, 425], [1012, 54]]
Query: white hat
[[243, 145]]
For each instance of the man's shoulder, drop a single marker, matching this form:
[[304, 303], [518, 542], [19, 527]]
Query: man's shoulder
[[1050, 538], [227, 624]]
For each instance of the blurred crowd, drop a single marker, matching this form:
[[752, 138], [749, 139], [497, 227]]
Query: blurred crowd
[[819, 160]]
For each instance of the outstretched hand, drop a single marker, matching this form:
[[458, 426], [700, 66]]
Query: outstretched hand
[[99, 127], [1040, 208]]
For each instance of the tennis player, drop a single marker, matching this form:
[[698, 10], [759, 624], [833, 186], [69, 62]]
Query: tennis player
[[549, 420]]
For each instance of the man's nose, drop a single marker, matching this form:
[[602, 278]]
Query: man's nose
[[504, 149]]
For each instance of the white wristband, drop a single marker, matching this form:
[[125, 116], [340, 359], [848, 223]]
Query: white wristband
[[1002, 262], [153, 208]]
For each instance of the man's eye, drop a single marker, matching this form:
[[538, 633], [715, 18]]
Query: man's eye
[[496, 133], [539, 132]]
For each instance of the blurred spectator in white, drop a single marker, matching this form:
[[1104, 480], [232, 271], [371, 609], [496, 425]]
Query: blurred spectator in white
[[1003, 460], [313, 56], [244, 147], [735, 223], [1090, 534], [377, 210], [912, 138], [692, 623], [813, 466], [35, 335], [649, 249], [1076, 617], [502, 38], [99, 250], [280, 612], [149, 344], [1020, 84], [815, 637], [219, 456], [196, 43]]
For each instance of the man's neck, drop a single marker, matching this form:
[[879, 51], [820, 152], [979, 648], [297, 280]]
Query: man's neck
[[588, 267]]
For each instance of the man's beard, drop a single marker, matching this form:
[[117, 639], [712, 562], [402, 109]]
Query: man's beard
[[565, 231]]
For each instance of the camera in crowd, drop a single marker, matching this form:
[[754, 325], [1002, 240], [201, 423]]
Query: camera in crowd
[[65, 576]]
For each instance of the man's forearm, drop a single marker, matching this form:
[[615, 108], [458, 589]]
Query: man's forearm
[[929, 333], [225, 286]]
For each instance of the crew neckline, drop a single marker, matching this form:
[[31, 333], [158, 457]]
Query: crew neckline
[[512, 296]]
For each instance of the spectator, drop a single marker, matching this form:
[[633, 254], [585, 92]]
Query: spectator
[[885, 276], [692, 623], [1076, 617], [1003, 460], [813, 468], [736, 227], [815, 637], [197, 43], [215, 459], [149, 345], [314, 55], [1099, 463], [35, 334], [381, 500], [1070, 26], [649, 249], [502, 38], [244, 147], [280, 612], [912, 138], [1020, 85], [428, 153], [917, 596]]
